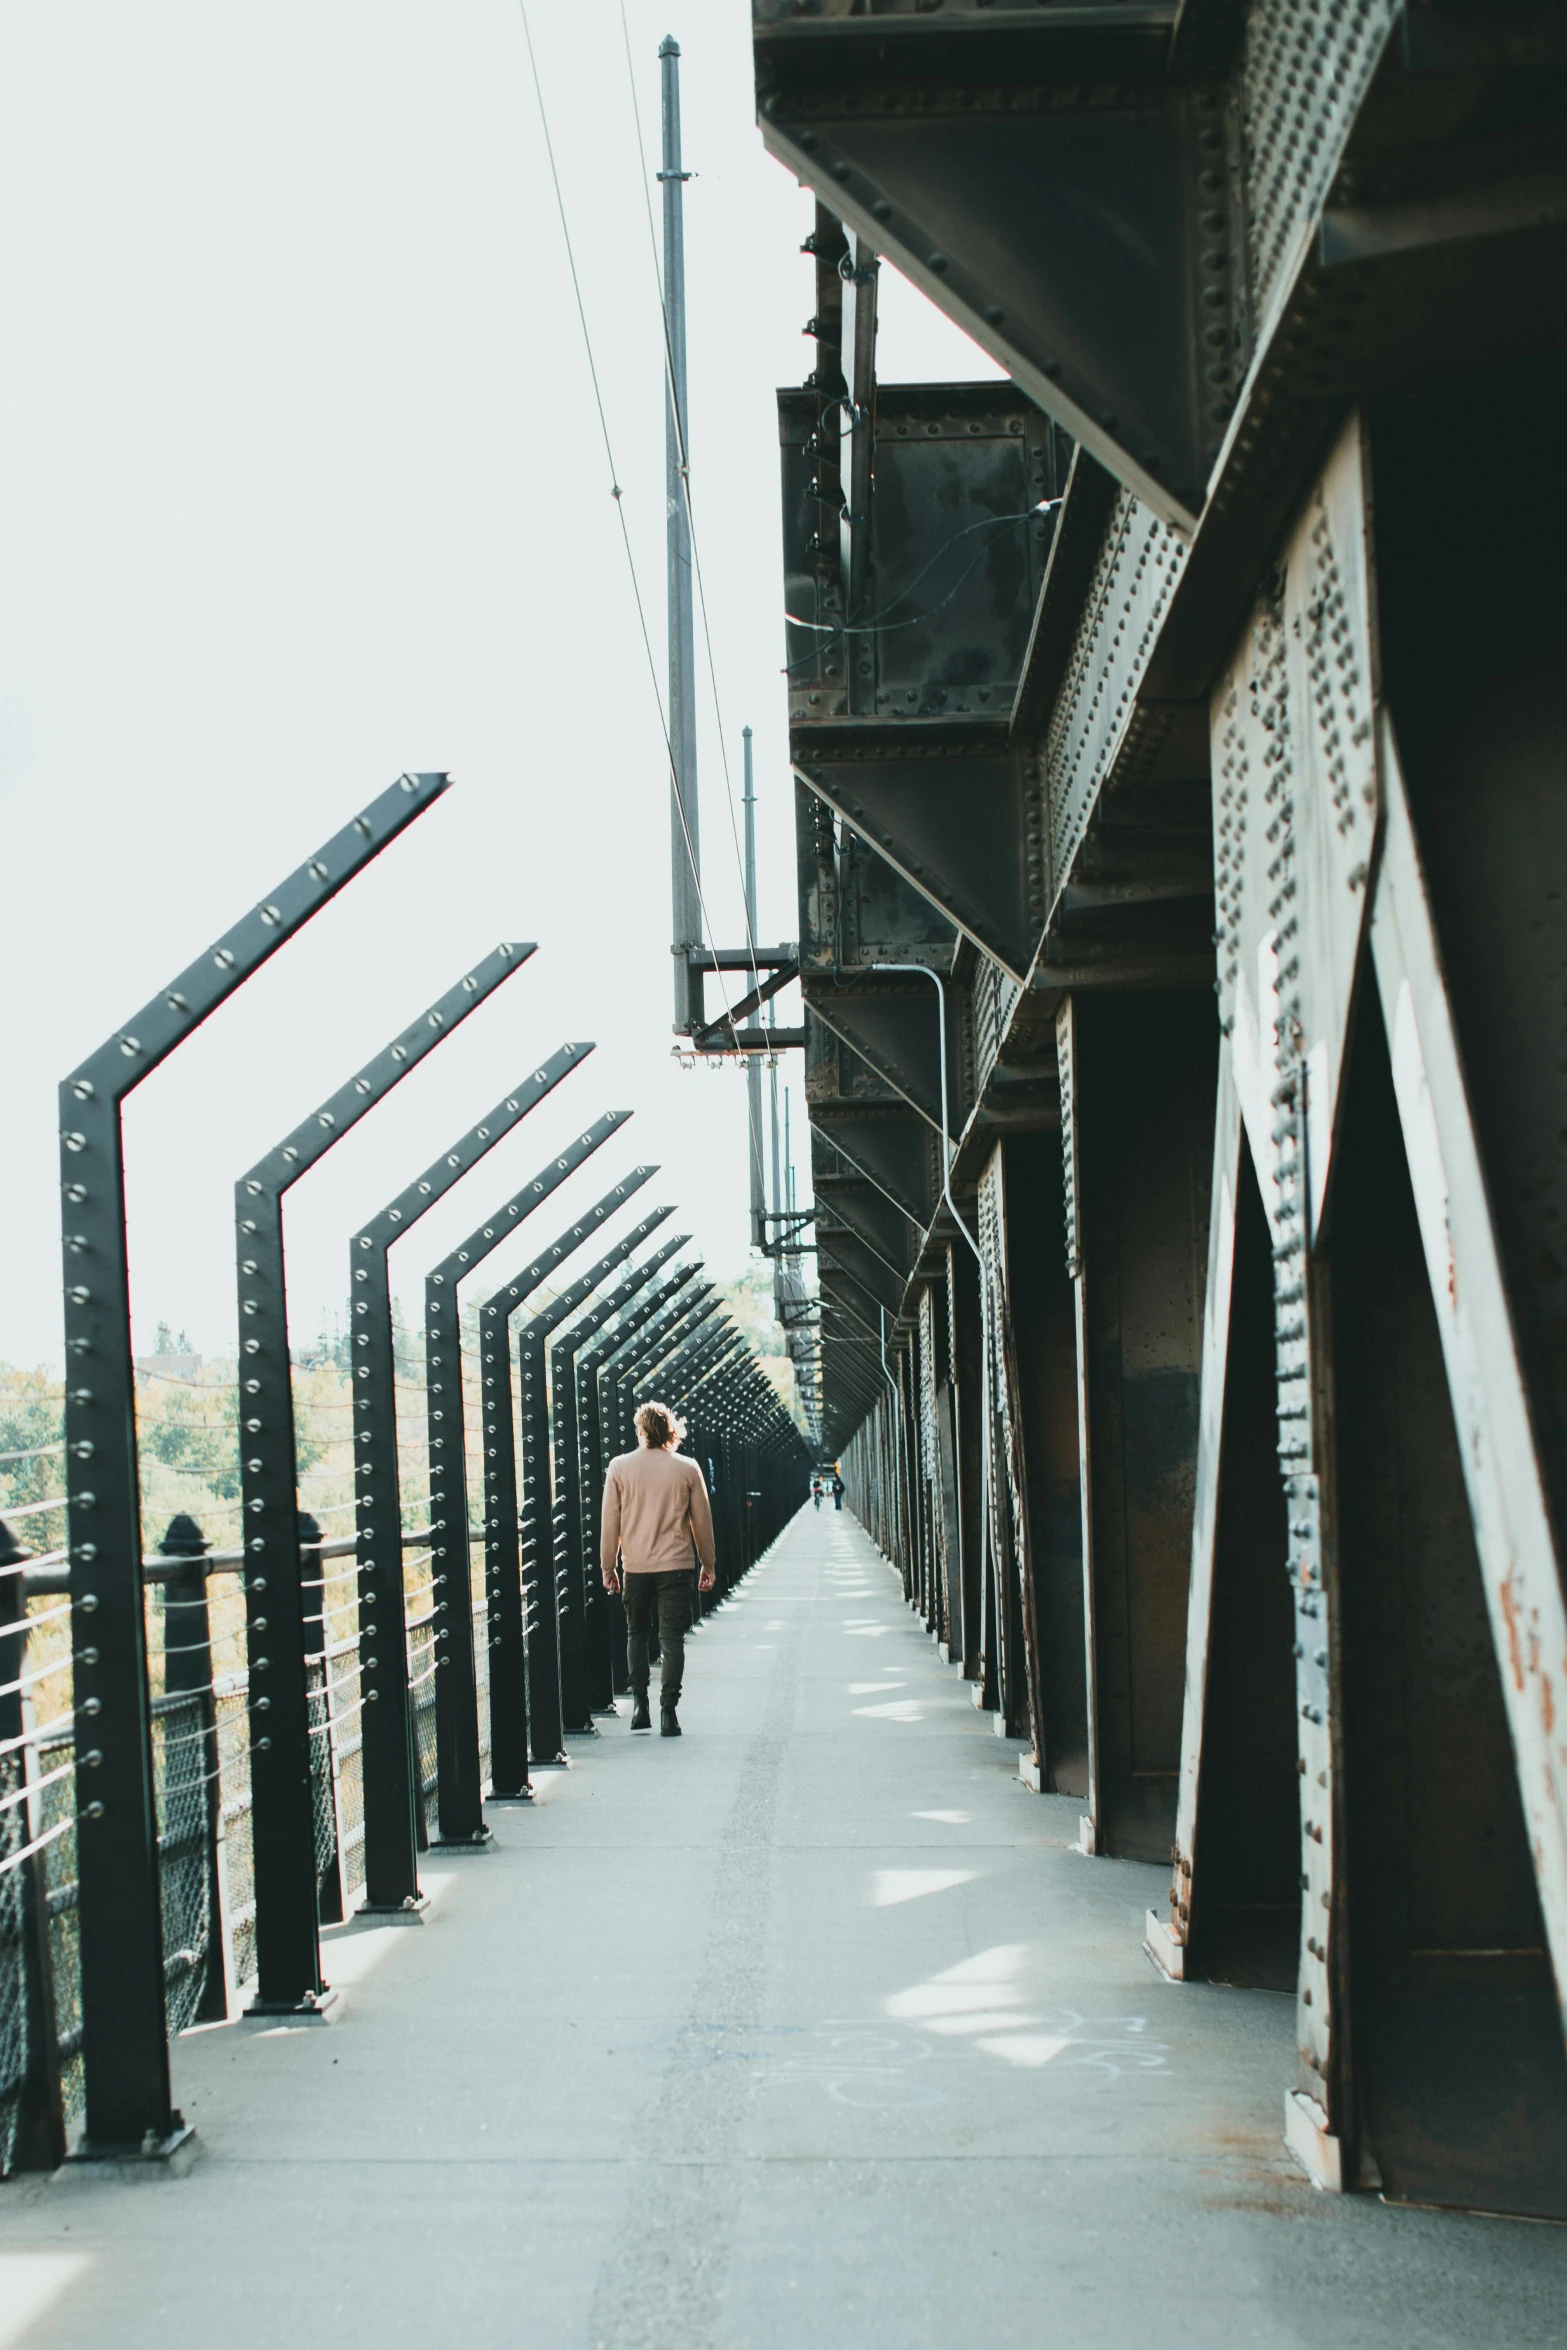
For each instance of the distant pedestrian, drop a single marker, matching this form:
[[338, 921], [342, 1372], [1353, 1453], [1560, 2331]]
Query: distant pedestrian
[[816, 1493], [837, 1491], [656, 1526]]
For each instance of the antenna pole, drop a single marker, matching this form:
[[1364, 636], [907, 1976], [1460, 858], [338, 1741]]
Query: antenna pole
[[753, 1060], [685, 844]]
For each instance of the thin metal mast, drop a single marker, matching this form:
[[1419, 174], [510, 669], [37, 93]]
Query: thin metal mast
[[788, 1161], [753, 1064], [685, 845]]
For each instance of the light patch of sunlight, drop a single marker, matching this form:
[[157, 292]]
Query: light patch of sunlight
[[865, 1631], [948, 1819], [874, 1688], [1030, 2048], [972, 1996], [898, 1709], [987, 2019], [999, 1964], [349, 1956], [776, 1624], [894, 1885], [29, 2282], [957, 1992]]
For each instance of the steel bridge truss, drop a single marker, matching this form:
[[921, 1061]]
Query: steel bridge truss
[[1192, 705]]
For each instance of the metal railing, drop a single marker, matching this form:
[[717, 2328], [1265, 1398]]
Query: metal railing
[[208, 1753]]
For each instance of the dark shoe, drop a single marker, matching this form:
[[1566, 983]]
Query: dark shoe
[[641, 1719], [669, 1725]]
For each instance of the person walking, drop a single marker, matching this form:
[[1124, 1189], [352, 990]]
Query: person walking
[[837, 1491], [816, 1493], [656, 1524]]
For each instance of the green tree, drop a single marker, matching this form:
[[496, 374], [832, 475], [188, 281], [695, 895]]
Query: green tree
[[32, 1413]]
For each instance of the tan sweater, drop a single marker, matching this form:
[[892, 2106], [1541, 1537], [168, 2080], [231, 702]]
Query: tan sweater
[[655, 1509]]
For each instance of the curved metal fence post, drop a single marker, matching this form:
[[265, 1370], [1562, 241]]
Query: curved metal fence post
[[572, 1569], [540, 1554], [617, 1376], [607, 1640], [125, 2039], [192, 1794], [325, 1787], [395, 1825], [533, 1667], [285, 1769], [460, 1757], [616, 1381], [32, 2121]]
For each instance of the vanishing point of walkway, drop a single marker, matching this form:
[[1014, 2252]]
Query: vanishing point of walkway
[[812, 2029]]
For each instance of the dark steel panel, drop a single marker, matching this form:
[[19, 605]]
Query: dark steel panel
[[1241, 1914], [1044, 1332], [959, 820], [1042, 181], [940, 627], [1458, 2066], [1144, 1073]]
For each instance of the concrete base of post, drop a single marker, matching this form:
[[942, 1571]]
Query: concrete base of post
[[1168, 1955], [482, 1840], [155, 2158], [1312, 2143], [394, 1913], [321, 2007]]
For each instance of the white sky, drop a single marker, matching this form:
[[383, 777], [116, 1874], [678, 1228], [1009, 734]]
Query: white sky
[[301, 485]]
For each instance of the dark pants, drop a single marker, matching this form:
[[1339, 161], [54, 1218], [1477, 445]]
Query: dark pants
[[666, 1600], [837, 1501]]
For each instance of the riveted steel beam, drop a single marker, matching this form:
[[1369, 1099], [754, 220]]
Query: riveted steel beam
[[1044, 179]]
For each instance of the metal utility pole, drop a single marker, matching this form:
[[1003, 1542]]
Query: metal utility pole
[[788, 1164], [685, 844], [753, 1066]]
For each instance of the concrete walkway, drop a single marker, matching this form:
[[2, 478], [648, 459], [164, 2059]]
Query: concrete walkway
[[809, 2030]]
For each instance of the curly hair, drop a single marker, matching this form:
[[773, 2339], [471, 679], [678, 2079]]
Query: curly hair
[[657, 1425]]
